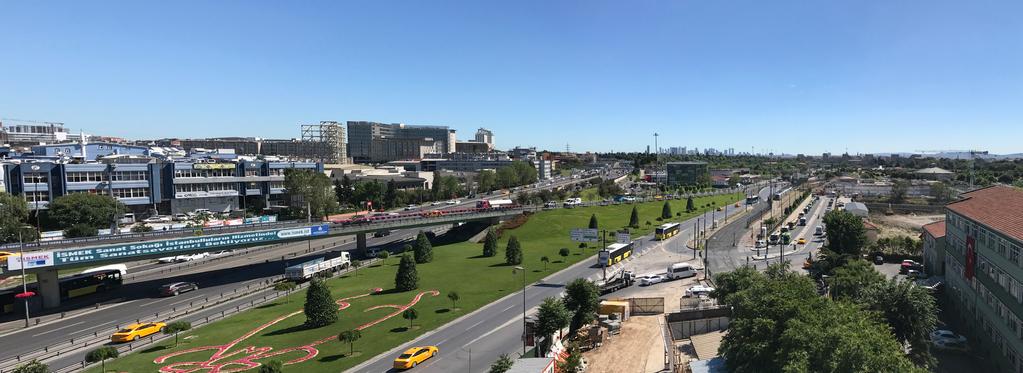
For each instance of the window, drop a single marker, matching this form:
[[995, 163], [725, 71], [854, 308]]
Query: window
[[129, 176], [37, 196], [276, 185], [276, 172], [36, 178], [252, 172], [87, 176], [131, 193]]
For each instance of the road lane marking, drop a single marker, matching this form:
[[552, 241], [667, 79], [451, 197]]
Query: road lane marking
[[186, 300], [153, 302], [60, 328]]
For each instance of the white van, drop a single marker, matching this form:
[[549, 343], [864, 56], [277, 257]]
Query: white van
[[680, 270]]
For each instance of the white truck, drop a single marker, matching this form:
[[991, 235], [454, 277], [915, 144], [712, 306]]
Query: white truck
[[305, 271]]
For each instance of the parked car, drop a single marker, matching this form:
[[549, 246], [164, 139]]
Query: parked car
[[176, 288], [650, 280], [220, 253], [950, 345], [453, 202], [414, 356], [180, 217], [878, 259], [157, 219], [135, 331], [944, 334], [698, 290]]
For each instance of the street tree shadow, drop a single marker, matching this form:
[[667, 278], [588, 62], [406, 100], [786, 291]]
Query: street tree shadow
[[443, 310], [288, 330]]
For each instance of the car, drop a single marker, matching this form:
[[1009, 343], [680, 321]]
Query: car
[[180, 217], [436, 203], [650, 280], [135, 331], [878, 259], [414, 356], [175, 288], [720, 208], [410, 207], [914, 274], [157, 219], [453, 202], [217, 254], [950, 345], [908, 265], [944, 334], [698, 290], [381, 233], [761, 243], [801, 241]]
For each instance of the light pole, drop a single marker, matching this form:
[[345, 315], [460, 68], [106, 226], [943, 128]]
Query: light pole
[[24, 284], [523, 270]]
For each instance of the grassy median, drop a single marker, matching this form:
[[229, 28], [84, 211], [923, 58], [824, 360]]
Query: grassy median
[[456, 267]]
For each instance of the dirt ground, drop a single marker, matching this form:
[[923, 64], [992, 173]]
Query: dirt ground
[[902, 224], [639, 348]]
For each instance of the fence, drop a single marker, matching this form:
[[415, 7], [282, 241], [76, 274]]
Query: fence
[[72, 345], [646, 306]]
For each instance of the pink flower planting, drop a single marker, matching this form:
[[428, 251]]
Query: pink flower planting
[[224, 360]]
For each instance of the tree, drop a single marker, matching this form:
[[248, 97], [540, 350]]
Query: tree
[[634, 218], [729, 283], [852, 278], [92, 210], [81, 230], [383, 255], [941, 192], [410, 314], [406, 278], [909, 310], [846, 235], [391, 195], [899, 189], [176, 327], [453, 295], [13, 214], [349, 337], [141, 228], [582, 297], [344, 191], [690, 206], [312, 189], [32, 367], [666, 211], [545, 260], [319, 309], [423, 249], [593, 221], [513, 252], [564, 253], [101, 355], [573, 362], [486, 180], [551, 317], [490, 244], [273, 366], [285, 286], [503, 364]]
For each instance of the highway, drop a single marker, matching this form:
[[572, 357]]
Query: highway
[[136, 299], [495, 329]]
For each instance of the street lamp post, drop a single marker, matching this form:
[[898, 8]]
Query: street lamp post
[[523, 270], [24, 283]]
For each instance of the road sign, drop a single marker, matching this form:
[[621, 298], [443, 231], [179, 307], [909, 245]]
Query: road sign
[[585, 235], [623, 237]]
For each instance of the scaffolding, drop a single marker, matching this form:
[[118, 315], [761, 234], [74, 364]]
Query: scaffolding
[[326, 141]]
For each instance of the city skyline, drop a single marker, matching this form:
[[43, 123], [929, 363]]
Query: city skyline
[[682, 70]]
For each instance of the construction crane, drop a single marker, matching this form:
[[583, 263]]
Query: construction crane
[[972, 156]]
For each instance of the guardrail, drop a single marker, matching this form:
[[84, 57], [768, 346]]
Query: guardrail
[[70, 346]]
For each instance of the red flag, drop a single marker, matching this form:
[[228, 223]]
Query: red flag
[[971, 258]]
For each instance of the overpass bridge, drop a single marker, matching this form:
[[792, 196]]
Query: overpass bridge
[[46, 263]]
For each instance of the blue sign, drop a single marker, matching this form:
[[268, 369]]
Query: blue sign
[[128, 250]]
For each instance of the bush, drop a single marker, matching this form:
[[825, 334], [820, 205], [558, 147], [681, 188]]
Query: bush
[[407, 278], [513, 253], [81, 230], [582, 245]]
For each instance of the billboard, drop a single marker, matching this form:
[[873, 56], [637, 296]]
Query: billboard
[[34, 259], [128, 250], [623, 237], [585, 235]]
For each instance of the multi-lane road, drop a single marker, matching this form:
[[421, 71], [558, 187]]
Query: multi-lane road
[[237, 273], [482, 336]]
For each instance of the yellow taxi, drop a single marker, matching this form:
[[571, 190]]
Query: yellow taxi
[[135, 331], [414, 356], [802, 241]]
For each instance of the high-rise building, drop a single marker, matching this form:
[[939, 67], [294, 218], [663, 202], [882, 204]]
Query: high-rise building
[[485, 136], [688, 173], [19, 132], [978, 250], [381, 142]]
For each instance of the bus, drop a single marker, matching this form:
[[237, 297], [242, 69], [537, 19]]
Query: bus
[[664, 231], [97, 280], [752, 200], [614, 253]]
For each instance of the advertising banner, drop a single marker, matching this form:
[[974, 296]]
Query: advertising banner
[[34, 259], [585, 235]]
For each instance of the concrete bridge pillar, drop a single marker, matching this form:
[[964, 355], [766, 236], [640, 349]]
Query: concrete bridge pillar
[[49, 287], [360, 242]]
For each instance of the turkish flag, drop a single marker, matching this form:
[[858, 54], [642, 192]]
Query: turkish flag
[[971, 258]]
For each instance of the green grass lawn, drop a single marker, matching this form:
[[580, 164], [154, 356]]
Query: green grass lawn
[[590, 195], [456, 267]]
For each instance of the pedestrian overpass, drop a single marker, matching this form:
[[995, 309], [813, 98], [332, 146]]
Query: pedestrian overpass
[[46, 263]]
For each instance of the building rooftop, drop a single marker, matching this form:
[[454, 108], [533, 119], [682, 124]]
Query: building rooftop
[[997, 207], [935, 229]]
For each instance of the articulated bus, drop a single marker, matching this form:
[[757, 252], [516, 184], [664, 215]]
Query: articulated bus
[[97, 281], [614, 253], [667, 230]]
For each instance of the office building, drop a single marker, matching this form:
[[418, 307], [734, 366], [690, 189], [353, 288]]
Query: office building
[[472, 147], [688, 173], [27, 133], [485, 136], [372, 142], [984, 271], [323, 142], [465, 162], [544, 168]]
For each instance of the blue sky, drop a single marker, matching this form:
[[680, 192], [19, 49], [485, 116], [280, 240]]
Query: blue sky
[[793, 76]]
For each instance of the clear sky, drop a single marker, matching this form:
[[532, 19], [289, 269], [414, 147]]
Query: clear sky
[[793, 76]]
